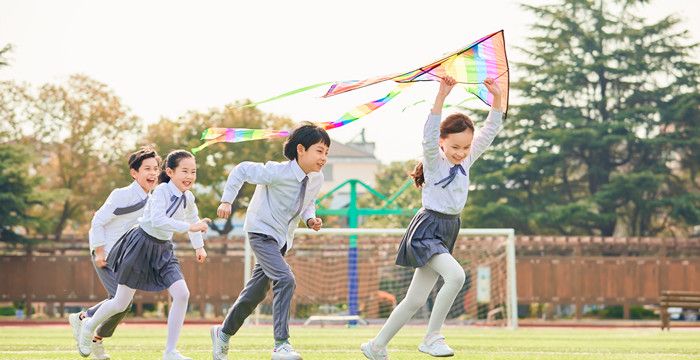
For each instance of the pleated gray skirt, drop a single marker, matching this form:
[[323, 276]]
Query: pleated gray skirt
[[141, 261], [429, 233]]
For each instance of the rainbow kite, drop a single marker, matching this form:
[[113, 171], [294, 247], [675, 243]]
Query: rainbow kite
[[470, 66]]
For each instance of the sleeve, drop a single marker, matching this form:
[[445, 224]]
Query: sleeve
[[251, 172], [488, 132], [431, 145], [309, 212], [192, 216], [159, 203], [98, 234]]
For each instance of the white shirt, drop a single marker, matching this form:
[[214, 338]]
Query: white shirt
[[276, 198], [158, 224], [451, 199], [107, 227]]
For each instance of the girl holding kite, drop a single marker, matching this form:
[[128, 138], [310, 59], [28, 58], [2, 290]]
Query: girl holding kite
[[450, 148]]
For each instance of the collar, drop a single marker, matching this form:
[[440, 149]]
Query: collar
[[173, 189], [296, 169], [136, 188]]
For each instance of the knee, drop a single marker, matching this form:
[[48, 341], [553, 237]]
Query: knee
[[122, 308], [414, 303], [287, 280], [182, 294], [455, 279]]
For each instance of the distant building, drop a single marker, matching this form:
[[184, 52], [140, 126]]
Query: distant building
[[352, 160]]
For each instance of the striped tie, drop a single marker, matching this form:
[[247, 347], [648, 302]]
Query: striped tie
[[175, 204]]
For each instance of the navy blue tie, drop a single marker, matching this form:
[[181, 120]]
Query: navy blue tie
[[453, 174], [175, 204]]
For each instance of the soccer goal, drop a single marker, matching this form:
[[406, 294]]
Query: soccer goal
[[349, 275]]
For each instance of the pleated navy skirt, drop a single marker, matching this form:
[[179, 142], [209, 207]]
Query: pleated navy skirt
[[429, 233], [141, 261]]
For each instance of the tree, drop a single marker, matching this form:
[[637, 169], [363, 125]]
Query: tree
[[3, 52], [14, 102], [610, 106], [17, 193], [83, 133], [215, 162]]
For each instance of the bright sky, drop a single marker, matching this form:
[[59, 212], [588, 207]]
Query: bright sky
[[164, 58]]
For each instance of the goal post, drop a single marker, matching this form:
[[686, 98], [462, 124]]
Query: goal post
[[320, 262]]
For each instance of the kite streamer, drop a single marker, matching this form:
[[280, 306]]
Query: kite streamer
[[288, 93], [233, 135], [471, 65], [363, 109]]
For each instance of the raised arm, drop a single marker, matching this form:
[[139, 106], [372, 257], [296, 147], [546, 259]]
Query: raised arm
[[431, 130]]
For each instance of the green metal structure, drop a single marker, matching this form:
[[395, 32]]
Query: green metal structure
[[353, 213]]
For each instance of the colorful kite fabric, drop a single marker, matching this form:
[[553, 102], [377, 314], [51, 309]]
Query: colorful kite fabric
[[485, 58]]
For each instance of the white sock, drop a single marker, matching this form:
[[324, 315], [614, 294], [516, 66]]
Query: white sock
[[176, 316]]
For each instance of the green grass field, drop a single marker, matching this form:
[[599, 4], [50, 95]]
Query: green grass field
[[146, 342]]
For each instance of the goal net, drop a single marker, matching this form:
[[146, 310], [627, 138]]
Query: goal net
[[349, 275]]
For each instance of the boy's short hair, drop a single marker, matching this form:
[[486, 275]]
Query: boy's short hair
[[145, 152], [305, 134]]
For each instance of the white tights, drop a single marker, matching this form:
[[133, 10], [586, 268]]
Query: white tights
[[424, 280], [176, 316]]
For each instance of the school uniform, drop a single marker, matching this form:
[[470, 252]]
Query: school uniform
[[116, 216], [143, 258], [434, 229], [284, 195]]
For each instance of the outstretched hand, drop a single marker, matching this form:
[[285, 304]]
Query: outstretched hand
[[495, 90], [493, 87], [446, 85]]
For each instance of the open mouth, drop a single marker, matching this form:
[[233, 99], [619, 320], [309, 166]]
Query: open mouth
[[187, 184], [151, 182]]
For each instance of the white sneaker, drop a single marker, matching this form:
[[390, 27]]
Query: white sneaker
[[372, 352], [285, 352], [98, 351], [219, 348], [85, 339], [74, 321], [174, 355], [435, 345]]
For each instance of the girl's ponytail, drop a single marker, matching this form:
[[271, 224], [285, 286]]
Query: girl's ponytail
[[417, 175]]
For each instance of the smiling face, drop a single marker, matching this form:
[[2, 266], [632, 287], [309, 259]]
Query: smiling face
[[312, 159], [147, 174], [184, 174], [456, 146]]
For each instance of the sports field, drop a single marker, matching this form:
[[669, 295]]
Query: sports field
[[146, 341]]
